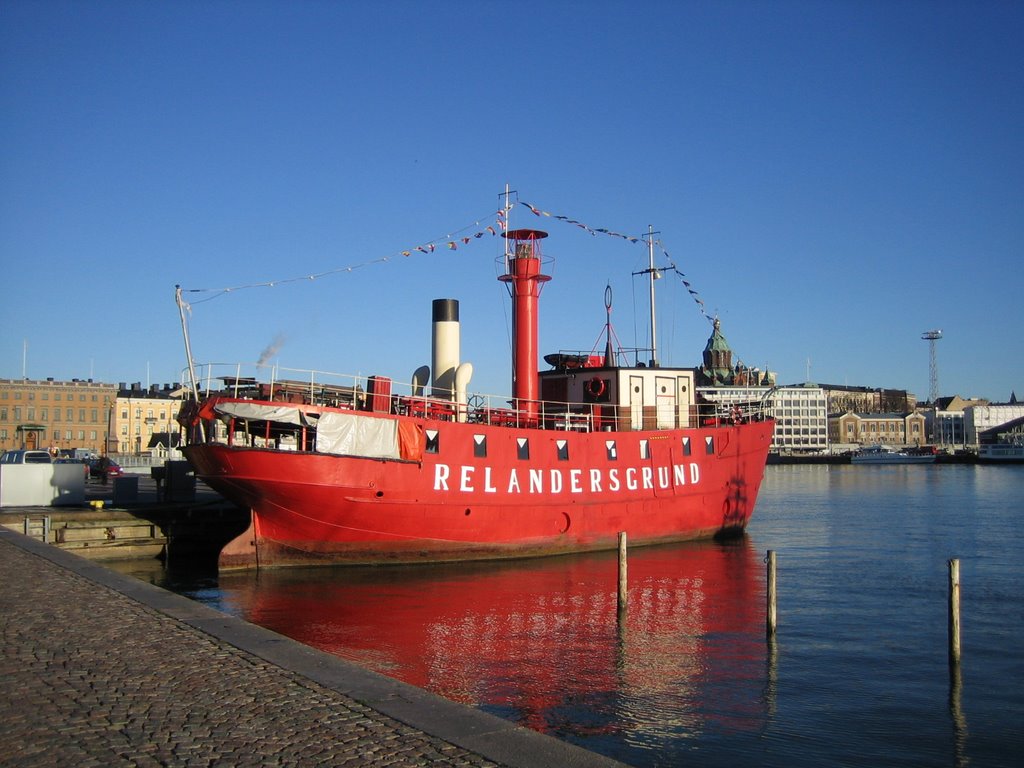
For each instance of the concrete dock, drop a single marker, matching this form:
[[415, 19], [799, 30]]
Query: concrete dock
[[100, 669]]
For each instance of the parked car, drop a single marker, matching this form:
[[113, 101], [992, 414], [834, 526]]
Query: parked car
[[104, 467], [26, 457]]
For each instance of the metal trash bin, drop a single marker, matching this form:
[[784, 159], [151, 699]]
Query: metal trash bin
[[126, 490], [181, 483]]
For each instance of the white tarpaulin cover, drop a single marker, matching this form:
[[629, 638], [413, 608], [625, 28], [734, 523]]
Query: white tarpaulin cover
[[355, 435], [286, 414]]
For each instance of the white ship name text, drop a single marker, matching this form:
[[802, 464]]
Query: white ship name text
[[470, 479]]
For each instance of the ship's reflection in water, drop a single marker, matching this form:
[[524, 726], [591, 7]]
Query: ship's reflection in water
[[539, 642]]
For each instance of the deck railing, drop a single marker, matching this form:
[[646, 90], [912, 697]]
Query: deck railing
[[381, 395]]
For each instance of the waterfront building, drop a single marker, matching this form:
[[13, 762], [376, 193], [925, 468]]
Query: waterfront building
[[801, 419], [945, 421], [906, 428], [55, 415], [982, 418], [88, 415], [843, 398], [144, 419]]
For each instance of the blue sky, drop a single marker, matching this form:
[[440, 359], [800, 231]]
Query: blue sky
[[833, 178]]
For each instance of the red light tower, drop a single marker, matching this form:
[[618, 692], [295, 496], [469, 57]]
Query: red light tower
[[525, 281]]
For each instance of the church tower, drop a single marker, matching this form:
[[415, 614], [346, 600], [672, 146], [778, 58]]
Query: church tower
[[717, 368]]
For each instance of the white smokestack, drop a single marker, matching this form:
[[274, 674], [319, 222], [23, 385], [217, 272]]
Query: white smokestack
[[445, 353]]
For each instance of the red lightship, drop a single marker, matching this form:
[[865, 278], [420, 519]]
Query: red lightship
[[358, 472]]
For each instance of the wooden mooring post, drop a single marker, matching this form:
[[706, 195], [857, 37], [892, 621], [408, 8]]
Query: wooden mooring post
[[622, 573], [954, 612], [770, 618]]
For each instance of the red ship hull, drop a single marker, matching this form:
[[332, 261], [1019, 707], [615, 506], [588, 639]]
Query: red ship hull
[[575, 492]]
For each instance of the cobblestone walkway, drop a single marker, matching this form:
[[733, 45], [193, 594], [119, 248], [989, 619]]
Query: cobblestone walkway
[[93, 677]]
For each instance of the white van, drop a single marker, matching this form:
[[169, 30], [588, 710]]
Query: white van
[[26, 457], [33, 479]]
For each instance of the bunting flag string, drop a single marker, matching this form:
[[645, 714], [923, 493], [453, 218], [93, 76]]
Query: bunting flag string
[[451, 242], [464, 237], [629, 238], [686, 283]]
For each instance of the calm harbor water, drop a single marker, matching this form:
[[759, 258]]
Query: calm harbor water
[[858, 675]]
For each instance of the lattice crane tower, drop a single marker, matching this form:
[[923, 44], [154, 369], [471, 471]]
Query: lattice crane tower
[[933, 367]]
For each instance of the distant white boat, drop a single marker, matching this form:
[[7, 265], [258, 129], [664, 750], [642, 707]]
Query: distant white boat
[[882, 454], [1006, 451]]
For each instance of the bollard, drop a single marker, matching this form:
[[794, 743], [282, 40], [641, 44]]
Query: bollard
[[770, 621], [954, 612], [622, 572]]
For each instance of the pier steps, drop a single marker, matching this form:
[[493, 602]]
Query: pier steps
[[108, 535], [194, 530]]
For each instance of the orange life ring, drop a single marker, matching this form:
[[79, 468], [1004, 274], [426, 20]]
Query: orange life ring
[[596, 387]]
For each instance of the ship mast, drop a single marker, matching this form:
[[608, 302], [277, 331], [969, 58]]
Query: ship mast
[[654, 275], [507, 211], [188, 346]]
